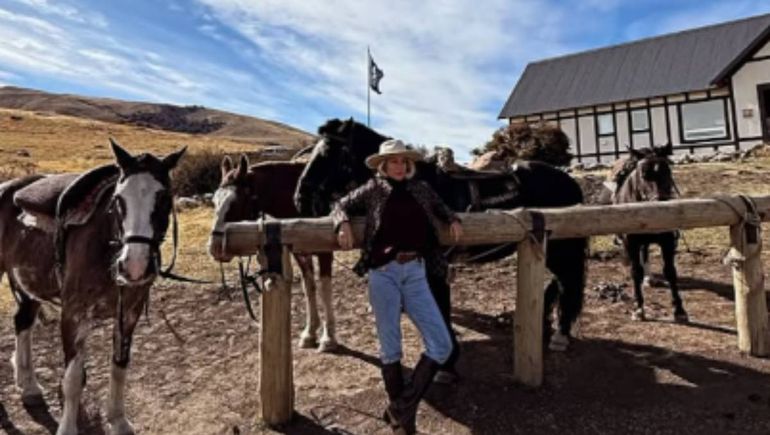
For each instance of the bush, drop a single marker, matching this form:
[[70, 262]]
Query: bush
[[173, 118], [198, 173], [521, 141]]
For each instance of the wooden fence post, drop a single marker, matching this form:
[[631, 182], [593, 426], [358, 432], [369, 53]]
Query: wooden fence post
[[749, 284], [528, 318], [276, 376]]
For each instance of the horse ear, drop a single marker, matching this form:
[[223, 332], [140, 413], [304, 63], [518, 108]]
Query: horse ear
[[171, 160], [666, 150], [243, 166], [124, 159], [636, 153], [227, 165]]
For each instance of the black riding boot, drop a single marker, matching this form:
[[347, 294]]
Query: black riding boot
[[404, 410], [393, 377]]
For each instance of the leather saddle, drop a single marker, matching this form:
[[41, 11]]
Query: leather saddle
[[70, 197]]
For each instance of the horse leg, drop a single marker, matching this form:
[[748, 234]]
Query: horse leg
[[566, 259], [74, 332], [23, 368], [439, 287], [121, 356], [668, 251], [308, 338], [645, 256], [634, 250], [328, 339]]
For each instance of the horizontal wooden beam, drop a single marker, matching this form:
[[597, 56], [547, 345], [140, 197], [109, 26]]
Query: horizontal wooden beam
[[502, 226]]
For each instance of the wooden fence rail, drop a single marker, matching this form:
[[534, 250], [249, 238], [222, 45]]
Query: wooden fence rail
[[503, 226]]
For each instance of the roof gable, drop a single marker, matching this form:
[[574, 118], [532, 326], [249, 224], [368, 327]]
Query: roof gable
[[678, 62]]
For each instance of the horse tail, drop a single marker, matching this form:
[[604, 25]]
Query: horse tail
[[567, 260]]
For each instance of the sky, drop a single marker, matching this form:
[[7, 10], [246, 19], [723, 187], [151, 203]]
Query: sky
[[449, 65]]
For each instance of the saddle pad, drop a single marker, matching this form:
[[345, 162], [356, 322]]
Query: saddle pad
[[82, 197], [41, 196]]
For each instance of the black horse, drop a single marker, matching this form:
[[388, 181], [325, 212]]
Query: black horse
[[337, 166], [650, 179]]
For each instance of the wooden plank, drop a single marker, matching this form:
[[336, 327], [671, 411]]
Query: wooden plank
[[308, 235], [749, 284], [528, 318], [276, 376]]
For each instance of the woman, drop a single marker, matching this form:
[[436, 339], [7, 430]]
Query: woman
[[402, 219]]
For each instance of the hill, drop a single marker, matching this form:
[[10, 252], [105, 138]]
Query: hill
[[167, 117]]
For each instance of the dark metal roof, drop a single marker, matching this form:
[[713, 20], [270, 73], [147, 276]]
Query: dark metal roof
[[678, 62]]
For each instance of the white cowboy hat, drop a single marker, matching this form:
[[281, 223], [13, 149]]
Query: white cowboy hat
[[390, 148]]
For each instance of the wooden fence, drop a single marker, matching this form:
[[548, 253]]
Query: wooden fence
[[527, 227]]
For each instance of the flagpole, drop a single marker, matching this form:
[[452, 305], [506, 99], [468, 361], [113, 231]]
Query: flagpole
[[368, 85]]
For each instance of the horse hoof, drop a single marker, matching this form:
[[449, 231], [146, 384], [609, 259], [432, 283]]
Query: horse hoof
[[122, 427], [559, 342], [307, 342], [681, 317], [638, 315], [328, 346]]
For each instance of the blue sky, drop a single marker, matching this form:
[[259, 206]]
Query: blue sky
[[449, 64]]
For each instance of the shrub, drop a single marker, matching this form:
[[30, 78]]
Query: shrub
[[521, 141], [198, 172]]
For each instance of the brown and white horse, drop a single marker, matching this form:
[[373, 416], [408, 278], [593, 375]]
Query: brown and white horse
[[246, 193], [97, 257]]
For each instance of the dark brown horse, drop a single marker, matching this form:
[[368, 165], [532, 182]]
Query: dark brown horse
[[245, 193], [91, 246], [649, 178], [337, 166]]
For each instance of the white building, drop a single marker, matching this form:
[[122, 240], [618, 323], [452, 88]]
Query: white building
[[701, 89]]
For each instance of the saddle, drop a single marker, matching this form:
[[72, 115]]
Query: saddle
[[72, 198], [42, 195]]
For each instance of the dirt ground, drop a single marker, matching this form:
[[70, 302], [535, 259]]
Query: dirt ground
[[194, 366]]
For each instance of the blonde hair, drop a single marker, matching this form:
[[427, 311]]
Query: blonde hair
[[410, 169]]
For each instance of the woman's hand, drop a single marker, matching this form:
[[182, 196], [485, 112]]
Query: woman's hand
[[456, 231], [345, 236]]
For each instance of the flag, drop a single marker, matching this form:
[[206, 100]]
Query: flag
[[375, 75]]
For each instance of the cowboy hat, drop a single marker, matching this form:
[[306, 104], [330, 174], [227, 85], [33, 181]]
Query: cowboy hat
[[391, 148]]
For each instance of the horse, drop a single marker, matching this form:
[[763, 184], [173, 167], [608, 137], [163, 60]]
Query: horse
[[245, 192], [90, 244], [649, 178], [337, 166]]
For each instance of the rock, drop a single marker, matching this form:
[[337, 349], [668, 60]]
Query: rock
[[22, 153], [597, 166], [184, 203], [722, 157], [579, 166], [682, 159]]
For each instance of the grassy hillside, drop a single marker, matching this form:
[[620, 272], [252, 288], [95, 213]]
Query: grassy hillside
[[184, 119]]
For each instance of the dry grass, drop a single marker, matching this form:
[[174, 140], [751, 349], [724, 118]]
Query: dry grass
[[56, 143]]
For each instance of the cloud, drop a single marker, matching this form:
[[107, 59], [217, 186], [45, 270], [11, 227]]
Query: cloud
[[62, 10], [449, 66], [85, 55]]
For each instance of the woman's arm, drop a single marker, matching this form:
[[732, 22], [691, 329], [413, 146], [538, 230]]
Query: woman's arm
[[354, 203], [443, 212]]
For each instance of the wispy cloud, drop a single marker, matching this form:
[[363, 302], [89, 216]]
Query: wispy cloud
[[61, 9], [445, 63]]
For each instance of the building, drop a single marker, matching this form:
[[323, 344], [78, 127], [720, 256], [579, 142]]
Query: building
[[701, 89]]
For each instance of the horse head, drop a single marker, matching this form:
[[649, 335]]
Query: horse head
[[236, 199], [336, 165], [141, 203], [652, 178]]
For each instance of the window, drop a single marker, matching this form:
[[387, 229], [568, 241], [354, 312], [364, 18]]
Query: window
[[704, 120], [639, 120], [606, 123]]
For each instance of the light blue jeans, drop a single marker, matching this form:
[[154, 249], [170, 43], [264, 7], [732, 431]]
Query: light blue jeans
[[395, 285]]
